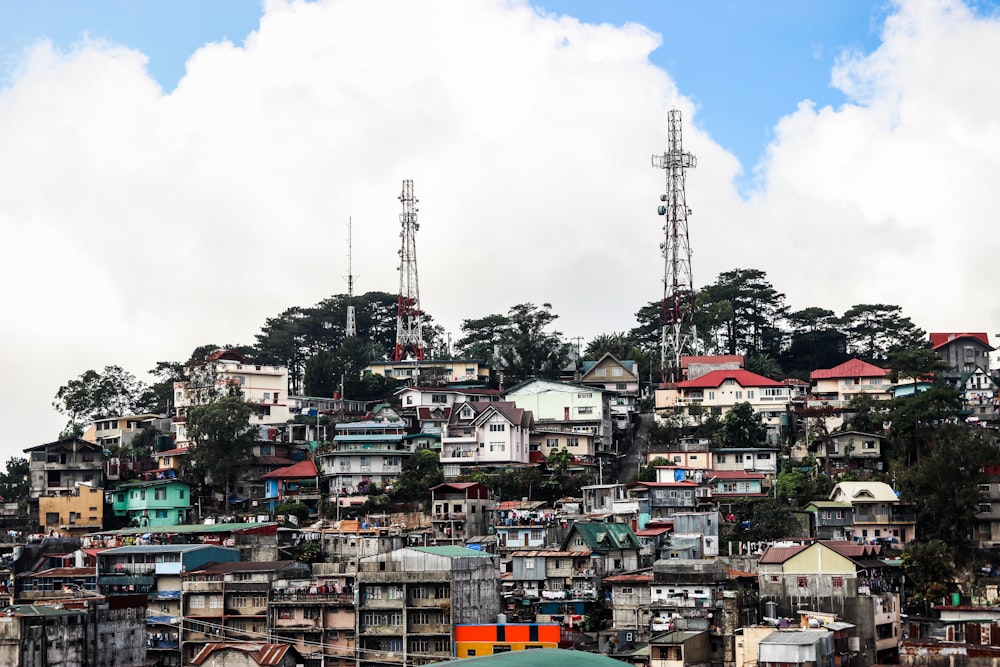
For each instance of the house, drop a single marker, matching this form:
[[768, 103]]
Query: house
[[228, 602], [735, 484], [249, 654], [581, 445], [294, 483], [879, 515], [479, 640], [365, 454], [630, 603], [226, 371], [153, 504], [485, 435], [449, 370], [836, 575], [564, 407], [680, 648], [614, 547], [112, 432], [73, 513], [831, 520], [979, 396], [543, 573], [602, 497], [851, 450], [986, 531], [666, 498], [687, 594], [836, 387], [751, 459], [962, 352], [57, 468], [410, 599], [621, 379], [719, 391], [459, 510], [796, 648]]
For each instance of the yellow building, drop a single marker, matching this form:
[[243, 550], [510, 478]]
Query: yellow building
[[72, 514]]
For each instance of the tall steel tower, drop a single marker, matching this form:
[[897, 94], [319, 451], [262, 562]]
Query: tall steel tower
[[352, 323], [409, 318], [679, 334]]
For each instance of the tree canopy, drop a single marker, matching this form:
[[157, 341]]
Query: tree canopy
[[112, 392], [223, 440]]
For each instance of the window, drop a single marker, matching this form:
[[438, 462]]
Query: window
[[529, 564], [37, 456], [258, 601], [239, 601], [161, 514], [720, 458], [584, 394], [419, 646], [621, 386], [420, 618], [739, 395], [601, 372], [439, 398], [551, 442], [617, 371], [441, 645], [711, 395], [626, 590], [585, 410], [196, 602], [419, 593], [443, 592], [373, 592], [215, 602], [396, 618], [498, 427], [802, 582], [572, 442], [181, 492], [837, 582], [160, 494], [396, 592], [121, 498], [370, 619]]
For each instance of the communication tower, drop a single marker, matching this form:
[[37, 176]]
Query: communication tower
[[679, 334], [352, 324], [409, 318]]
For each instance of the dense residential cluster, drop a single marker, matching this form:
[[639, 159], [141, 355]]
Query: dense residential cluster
[[657, 559]]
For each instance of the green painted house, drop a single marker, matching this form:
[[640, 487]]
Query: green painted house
[[165, 502]]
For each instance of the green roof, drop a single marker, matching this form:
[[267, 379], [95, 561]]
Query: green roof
[[605, 536], [40, 610], [542, 657], [453, 552], [185, 528], [829, 504]]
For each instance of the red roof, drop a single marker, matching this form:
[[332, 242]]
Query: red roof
[[736, 474], [942, 339], [714, 379], [301, 469], [852, 368], [713, 359], [172, 452], [262, 654], [424, 413], [653, 532]]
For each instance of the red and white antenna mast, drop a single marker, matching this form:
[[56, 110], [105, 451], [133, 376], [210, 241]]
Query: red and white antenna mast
[[409, 318], [679, 334]]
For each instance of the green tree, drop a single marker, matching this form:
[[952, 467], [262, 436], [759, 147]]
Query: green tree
[[481, 337], [648, 472], [223, 440], [742, 427], [929, 566], [15, 482], [420, 472], [865, 414], [921, 363], [528, 348], [113, 392], [915, 421], [747, 309], [762, 520], [876, 330]]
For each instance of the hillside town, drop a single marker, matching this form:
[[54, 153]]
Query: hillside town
[[640, 535]]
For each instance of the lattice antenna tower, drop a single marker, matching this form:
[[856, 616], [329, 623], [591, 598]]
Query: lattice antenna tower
[[352, 322], [679, 334], [409, 318]]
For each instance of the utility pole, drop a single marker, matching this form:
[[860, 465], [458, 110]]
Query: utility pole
[[679, 334], [352, 327]]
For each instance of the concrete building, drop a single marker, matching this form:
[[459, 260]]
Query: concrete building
[[798, 648], [409, 600], [57, 468], [459, 511], [365, 454], [72, 513], [680, 648], [153, 504], [963, 352], [538, 574], [613, 547], [448, 370], [836, 387], [879, 515]]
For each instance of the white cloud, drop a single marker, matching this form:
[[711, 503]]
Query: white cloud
[[140, 224]]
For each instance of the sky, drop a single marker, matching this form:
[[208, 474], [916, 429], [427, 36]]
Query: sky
[[173, 173]]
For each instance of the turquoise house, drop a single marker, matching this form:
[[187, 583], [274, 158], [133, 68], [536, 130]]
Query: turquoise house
[[153, 504]]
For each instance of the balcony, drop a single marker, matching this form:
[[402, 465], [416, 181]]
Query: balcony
[[449, 516], [584, 573], [312, 598], [383, 630]]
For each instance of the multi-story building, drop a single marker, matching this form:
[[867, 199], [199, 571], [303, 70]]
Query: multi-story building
[[459, 510], [72, 513], [410, 599], [962, 352], [879, 515], [365, 454], [580, 445], [57, 468], [667, 498], [224, 372], [630, 603], [225, 602], [836, 387], [153, 504], [149, 577], [842, 576], [298, 482], [614, 547], [563, 407], [620, 378], [316, 615], [539, 574], [751, 459], [853, 451], [110, 432], [447, 370], [485, 435], [719, 391], [830, 520]]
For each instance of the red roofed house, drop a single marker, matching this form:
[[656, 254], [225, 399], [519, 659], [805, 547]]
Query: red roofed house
[[838, 385], [247, 655], [299, 482], [720, 390], [963, 352]]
